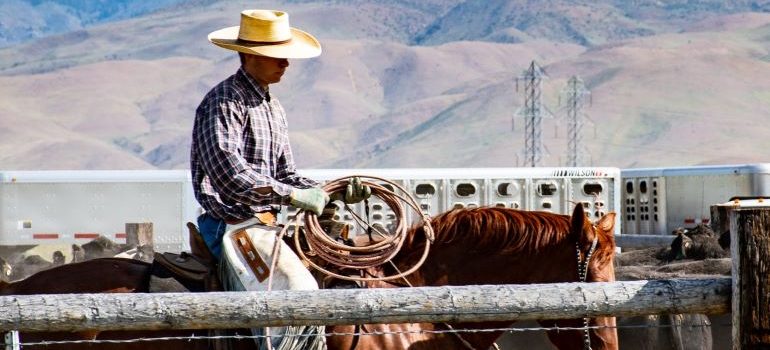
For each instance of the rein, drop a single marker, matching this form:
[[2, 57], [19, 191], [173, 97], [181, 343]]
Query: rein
[[582, 276]]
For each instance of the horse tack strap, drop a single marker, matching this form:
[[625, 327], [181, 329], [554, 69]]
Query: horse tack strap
[[253, 259], [583, 276]]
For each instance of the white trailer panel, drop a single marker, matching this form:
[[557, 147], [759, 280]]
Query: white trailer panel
[[555, 190], [660, 200], [40, 207], [77, 206]]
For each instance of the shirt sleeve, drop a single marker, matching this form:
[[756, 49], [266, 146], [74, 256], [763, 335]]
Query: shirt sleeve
[[220, 141], [286, 168]]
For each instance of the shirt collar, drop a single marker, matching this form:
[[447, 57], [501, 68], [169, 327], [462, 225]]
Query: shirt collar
[[262, 92]]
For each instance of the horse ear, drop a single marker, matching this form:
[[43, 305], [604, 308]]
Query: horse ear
[[578, 221], [607, 223]]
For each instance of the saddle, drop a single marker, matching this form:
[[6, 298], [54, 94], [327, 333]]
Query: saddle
[[195, 271]]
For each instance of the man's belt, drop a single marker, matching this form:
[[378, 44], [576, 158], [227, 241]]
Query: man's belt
[[267, 218]]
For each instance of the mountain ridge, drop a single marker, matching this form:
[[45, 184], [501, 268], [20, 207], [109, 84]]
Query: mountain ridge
[[122, 95]]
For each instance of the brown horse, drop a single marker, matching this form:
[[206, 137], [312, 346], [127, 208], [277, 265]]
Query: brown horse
[[476, 246], [105, 275], [497, 246]]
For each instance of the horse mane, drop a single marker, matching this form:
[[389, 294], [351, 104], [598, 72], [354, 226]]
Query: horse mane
[[492, 229], [504, 231]]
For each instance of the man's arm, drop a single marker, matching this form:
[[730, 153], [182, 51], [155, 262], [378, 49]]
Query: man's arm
[[287, 170]]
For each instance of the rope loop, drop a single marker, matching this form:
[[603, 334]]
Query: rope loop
[[378, 251]]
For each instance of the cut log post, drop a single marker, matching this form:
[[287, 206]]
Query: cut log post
[[720, 218], [139, 234], [750, 250], [78, 312]]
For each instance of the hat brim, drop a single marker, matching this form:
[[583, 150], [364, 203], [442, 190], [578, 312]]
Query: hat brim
[[301, 45]]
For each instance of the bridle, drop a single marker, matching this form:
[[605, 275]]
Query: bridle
[[582, 265]]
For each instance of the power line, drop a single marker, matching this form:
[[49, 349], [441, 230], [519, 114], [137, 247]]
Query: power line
[[575, 95]]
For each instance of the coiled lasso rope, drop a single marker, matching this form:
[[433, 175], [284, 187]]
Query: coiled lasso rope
[[361, 258]]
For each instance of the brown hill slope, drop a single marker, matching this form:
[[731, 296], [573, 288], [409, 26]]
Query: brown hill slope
[[123, 95], [690, 98]]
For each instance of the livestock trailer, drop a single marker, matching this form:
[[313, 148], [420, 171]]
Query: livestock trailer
[[39, 207], [660, 200], [62, 207]]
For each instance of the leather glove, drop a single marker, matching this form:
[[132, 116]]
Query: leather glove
[[312, 199], [355, 192]]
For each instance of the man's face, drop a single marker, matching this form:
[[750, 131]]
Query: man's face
[[265, 70]]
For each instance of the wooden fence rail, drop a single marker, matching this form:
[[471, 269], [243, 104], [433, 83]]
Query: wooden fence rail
[[77, 312]]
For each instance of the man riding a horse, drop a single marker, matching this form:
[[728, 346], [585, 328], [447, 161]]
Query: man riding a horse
[[241, 161]]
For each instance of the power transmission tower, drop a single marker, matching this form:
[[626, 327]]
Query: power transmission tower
[[533, 112], [574, 95]]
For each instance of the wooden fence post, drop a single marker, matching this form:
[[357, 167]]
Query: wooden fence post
[[139, 234], [750, 250]]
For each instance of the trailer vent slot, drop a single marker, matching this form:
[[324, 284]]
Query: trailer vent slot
[[629, 187], [593, 189], [546, 189], [505, 189], [425, 190], [643, 187], [465, 189]]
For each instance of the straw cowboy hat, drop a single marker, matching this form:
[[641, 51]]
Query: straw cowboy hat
[[267, 33]]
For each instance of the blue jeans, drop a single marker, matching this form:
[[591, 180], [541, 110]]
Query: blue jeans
[[212, 230]]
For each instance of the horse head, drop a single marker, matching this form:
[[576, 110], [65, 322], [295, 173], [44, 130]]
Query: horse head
[[596, 239], [595, 250]]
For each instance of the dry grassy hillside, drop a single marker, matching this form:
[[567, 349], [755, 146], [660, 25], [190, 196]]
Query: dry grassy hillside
[[122, 95]]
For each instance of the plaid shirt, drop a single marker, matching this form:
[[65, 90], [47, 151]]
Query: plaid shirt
[[240, 143]]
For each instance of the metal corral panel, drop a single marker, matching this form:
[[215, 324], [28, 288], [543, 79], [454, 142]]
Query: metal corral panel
[[660, 200], [75, 207]]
